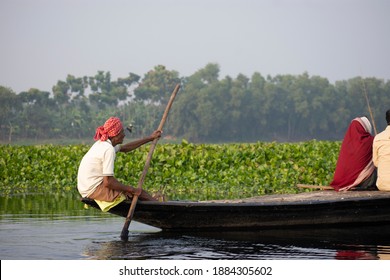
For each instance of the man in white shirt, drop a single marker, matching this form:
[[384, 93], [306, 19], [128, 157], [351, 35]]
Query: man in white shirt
[[381, 156], [96, 178]]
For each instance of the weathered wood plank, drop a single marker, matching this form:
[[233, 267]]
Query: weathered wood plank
[[304, 186]]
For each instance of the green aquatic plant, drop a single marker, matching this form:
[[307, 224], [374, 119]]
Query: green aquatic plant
[[183, 171]]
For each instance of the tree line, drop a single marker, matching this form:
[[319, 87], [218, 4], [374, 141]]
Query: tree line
[[207, 108]]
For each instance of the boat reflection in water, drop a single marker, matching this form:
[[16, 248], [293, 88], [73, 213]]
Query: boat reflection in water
[[364, 243], [44, 227], [311, 225]]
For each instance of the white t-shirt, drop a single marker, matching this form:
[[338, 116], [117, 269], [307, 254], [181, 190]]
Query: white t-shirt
[[96, 163]]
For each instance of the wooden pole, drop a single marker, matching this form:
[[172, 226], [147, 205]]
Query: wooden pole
[[125, 230], [369, 107]]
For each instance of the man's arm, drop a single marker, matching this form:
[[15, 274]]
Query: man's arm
[[375, 153], [128, 147]]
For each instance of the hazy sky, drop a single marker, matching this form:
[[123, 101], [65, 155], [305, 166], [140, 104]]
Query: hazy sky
[[42, 41]]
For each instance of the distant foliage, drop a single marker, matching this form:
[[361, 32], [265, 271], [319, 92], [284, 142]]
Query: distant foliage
[[182, 171], [207, 109]]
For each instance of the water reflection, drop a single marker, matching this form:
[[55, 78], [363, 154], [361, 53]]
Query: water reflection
[[383, 252], [58, 227], [47, 205], [371, 243]]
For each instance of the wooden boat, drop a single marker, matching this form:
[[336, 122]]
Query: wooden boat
[[307, 209]]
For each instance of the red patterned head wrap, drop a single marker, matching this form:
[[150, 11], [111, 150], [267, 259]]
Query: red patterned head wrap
[[112, 127]]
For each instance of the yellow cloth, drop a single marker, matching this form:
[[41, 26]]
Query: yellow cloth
[[381, 158], [107, 205]]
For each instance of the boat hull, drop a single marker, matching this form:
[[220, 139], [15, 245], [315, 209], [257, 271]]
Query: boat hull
[[311, 209]]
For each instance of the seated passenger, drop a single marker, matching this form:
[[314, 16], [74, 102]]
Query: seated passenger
[[355, 168], [381, 156]]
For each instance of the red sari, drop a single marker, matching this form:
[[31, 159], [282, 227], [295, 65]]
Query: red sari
[[354, 164]]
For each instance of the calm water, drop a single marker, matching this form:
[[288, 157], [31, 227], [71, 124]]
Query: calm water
[[41, 227]]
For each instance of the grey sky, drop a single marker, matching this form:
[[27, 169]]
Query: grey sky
[[42, 41]]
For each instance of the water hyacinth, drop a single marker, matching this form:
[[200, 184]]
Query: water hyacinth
[[182, 171]]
